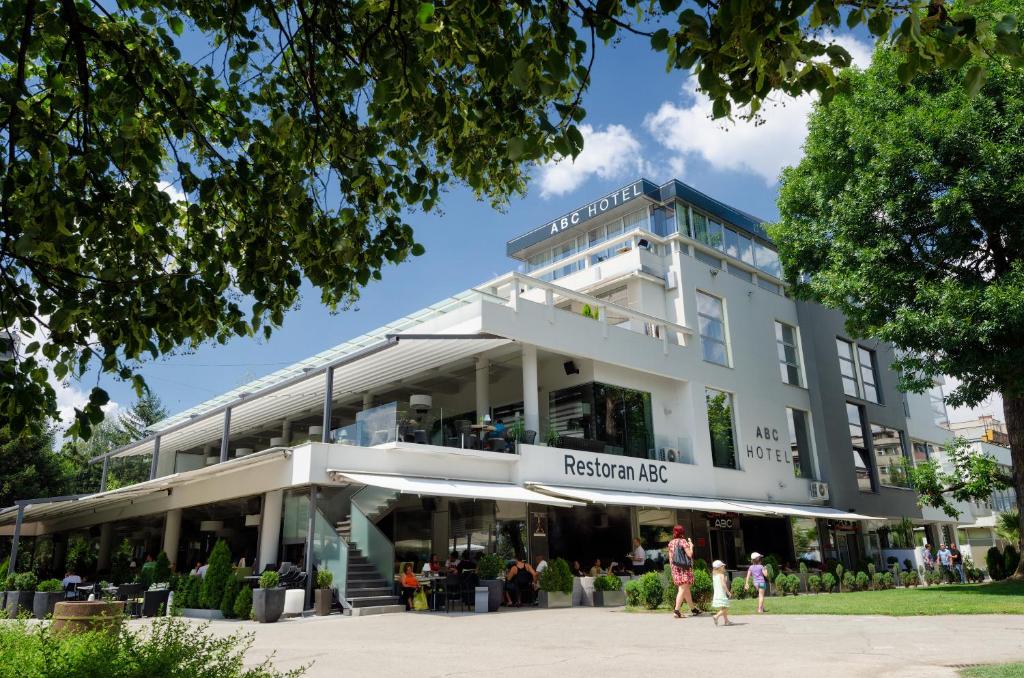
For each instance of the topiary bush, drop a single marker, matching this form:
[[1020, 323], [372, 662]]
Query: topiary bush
[[877, 581], [814, 583], [49, 586], [888, 580], [1011, 558], [702, 590], [227, 601], [828, 582], [701, 564], [781, 585], [218, 573], [908, 565], [607, 582], [840, 579], [633, 593], [270, 580], [910, 579], [26, 581], [739, 592], [652, 590], [162, 571], [793, 584], [863, 581], [556, 577], [243, 603], [120, 563], [994, 562], [849, 582], [490, 566]]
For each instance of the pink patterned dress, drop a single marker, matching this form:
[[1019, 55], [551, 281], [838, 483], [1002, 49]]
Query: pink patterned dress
[[680, 576]]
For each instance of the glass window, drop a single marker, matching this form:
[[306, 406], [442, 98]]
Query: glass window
[[800, 443], [920, 452], [848, 368], [861, 460], [868, 379], [665, 219], [716, 235], [890, 459], [739, 246], [683, 219], [707, 232], [721, 427], [635, 220], [596, 235], [789, 360], [614, 228], [711, 318], [600, 417], [767, 260], [938, 405]]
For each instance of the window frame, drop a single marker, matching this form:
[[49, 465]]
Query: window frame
[[780, 345], [867, 455], [724, 341], [851, 359], [730, 398], [872, 369], [795, 453], [902, 455]]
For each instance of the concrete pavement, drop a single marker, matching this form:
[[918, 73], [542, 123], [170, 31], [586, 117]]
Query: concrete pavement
[[593, 642]]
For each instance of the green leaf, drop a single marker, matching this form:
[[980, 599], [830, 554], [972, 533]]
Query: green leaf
[[176, 24], [425, 13], [974, 80], [660, 39]]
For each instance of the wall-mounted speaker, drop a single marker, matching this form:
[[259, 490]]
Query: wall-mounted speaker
[[570, 367]]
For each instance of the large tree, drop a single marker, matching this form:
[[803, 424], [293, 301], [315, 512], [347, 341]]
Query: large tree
[[301, 133], [907, 214]]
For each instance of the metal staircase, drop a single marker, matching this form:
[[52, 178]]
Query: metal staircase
[[367, 591]]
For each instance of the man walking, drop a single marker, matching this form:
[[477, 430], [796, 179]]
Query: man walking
[[945, 562], [957, 559]]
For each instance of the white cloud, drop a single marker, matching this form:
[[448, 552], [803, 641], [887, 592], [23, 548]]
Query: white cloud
[[762, 149], [171, 190], [993, 405], [609, 154]]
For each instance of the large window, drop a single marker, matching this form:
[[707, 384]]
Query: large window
[[711, 319], [739, 246], [938, 405], [789, 357], [603, 418], [868, 374], [890, 458], [767, 260], [721, 426], [800, 443], [861, 459], [922, 452], [848, 368]]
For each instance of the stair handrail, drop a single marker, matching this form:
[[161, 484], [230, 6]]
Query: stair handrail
[[373, 543], [340, 582]]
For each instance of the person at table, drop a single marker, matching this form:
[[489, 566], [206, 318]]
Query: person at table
[[522, 576], [195, 568], [596, 570], [466, 563], [432, 566], [577, 569], [409, 585], [148, 567], [541, 565], [497, 431], [70, 578], [451, 565], [638, 557]]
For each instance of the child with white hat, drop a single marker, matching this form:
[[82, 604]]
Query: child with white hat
[[720, 601]]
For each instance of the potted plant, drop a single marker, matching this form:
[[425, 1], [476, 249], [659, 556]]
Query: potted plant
[[268, 599], [20, 592], [552, 437], [608, 591], [556, 585], [489, 571], [323, 595], [49, 592]]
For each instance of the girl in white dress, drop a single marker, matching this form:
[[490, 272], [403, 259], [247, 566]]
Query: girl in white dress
[[720, 601]]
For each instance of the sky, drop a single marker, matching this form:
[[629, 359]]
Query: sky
[[641, 122]]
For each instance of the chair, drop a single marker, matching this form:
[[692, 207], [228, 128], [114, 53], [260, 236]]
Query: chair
[[528, 437], [499, 445], [473, 442], [453, 592], [71, 591]]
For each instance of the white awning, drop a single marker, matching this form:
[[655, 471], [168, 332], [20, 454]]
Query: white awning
[[466, 489], [617, 498], [799, 511]]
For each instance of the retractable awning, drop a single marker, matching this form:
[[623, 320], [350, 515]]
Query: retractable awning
[[465, 489], [824, 512], [617, 498]]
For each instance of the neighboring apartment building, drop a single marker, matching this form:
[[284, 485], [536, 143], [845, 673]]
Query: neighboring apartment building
[[653, 367]]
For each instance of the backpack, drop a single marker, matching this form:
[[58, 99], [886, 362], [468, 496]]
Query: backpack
[[679, 557]]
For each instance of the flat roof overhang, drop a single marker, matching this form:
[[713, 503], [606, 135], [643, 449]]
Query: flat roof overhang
[[442, 487], [646, 500]]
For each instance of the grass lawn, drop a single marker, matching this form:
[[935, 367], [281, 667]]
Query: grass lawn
[[995, 598], [995, 671]]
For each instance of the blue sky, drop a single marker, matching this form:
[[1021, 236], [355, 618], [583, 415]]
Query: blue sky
[[641, 121]]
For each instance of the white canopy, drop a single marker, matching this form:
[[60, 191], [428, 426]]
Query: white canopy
[[618, 498], [825, 512], [466, 489]]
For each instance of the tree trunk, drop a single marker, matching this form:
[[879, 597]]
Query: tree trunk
[[1013, 410]]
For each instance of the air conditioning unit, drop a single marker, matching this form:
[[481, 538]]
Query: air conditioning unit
[[819, 490], [672, 455]]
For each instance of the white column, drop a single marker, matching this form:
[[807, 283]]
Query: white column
[[531, 404], [106, 541], [270, 528], [286, 431], [367, 401], [483, 387], [172, 534]]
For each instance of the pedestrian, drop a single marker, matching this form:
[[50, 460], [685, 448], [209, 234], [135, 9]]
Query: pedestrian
[[926, 557], [756, 574], [720, 601], [638, 557], [945, 562], [680, 554], [957, 559]]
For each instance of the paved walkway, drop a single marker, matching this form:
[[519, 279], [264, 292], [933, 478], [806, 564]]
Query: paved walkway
[[594, 642]]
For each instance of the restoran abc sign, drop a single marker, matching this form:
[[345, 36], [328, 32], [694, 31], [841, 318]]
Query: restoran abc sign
[[596, 468]]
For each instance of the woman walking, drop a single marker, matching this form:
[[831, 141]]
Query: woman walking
[[680, 554], [720, 601], [756, 573]]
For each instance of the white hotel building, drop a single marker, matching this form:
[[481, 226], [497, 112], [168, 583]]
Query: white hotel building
[[661, 375]]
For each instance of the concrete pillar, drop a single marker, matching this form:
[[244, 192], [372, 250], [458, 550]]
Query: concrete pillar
[[483, 387], [156, 458], [270, 528], [531, 398], [286, 431], [328, 397], [367, 401], [310, 544], [106, 542], [60, 552], [13, 564], [172, 534], [225, 438]]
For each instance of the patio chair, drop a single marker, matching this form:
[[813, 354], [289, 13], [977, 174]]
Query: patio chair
[[528, 437], [499, 445], [453, 592]]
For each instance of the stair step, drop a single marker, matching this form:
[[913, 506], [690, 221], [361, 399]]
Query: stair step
[[371, 601], [375, 609], [362, 567], [368, 591]]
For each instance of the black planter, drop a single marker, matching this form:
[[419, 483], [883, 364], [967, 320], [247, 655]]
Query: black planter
[[18, 602], [154, 603], [267, 605], [44, 601], [495, 588]]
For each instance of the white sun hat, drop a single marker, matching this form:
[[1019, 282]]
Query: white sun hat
[[717, 564], [755, 555]]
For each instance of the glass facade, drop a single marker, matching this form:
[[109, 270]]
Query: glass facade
[[890, 458], [861, 459], [789, 359], [603, 418], [721, 428], [938, 405], [800, 443], [848, 368], [711, 318], [868, 374]]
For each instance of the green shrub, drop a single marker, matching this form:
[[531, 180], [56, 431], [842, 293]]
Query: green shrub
[[828, 582], [863, 581], [803, 567], [701, 564], [651, 590], [888, 580], [908, 565], [780, 584], [556, 577], [1011, 558], [877, 581], [972, 572], [80, 557], [217, 575], [669, 588], [910, 579], [739, 592], [702, 590], [121, 562], [489, 567], [849, 582], [994, 562], [162, 571], [840, 571], [9, 582], [243, 603], [608, 582], [871, 570], [793, 584], [771, 561], [325, 578], [814, 583], [270, 580], [49, 586], [933, 577], [26, 581], [166, 647], [227, 601], [633, 593]]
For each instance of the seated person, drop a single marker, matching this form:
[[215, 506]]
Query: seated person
[[596, 570], [451, 565], [432, 566], [497, 432], [466, 563], [409, 585], [577, 569], [522, 577]]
